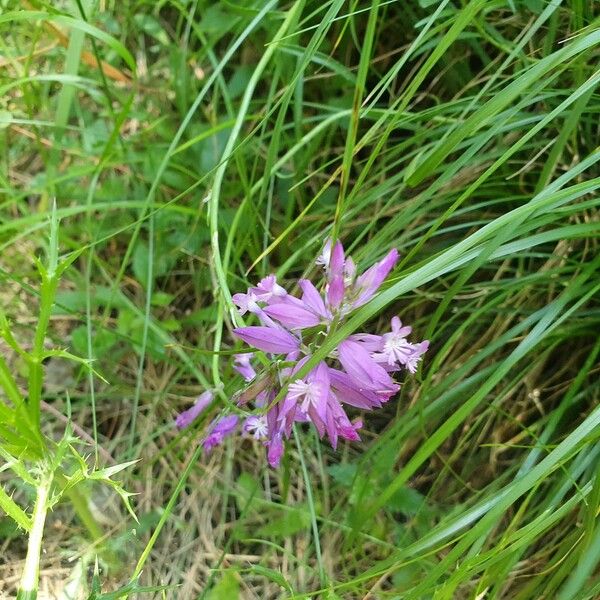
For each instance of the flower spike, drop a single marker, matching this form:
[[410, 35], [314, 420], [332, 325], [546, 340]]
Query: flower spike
[[358, 374]]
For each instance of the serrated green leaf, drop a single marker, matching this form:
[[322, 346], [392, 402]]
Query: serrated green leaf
[[108, 472], [14, 511], [84, 362]]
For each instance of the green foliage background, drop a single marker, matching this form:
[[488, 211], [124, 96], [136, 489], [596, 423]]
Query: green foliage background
[[193, 147]]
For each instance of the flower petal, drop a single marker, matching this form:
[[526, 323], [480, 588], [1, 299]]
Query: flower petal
[[335, 291], [336, 263], [363, 369], [246, 303], [220, 429], [347, 391], [187, 417], [370, 281], [268, 288], [369, 341], [312, 298], [275, 450], [319, 377], [241, 363], [292, 315], [332, 432], [269, 339], [325, 256], [418, 351], [398, 329]]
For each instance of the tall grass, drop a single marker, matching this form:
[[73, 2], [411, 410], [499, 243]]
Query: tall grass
[[194, 147]]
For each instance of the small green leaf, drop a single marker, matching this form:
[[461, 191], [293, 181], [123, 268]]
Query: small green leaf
[[171, 324], [272, 575], [535, 6], [110, 471], [228, 588], [102, 341], [248, 495], [162, 299], [343, 473], [215, 20], [149, 25], [291, 522], [68, 260], [9, 530], [407, 501], [161, 262], [84, 362], [239, 81], [96, 587]]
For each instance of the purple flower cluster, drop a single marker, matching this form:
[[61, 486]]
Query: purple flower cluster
[[358, 373]]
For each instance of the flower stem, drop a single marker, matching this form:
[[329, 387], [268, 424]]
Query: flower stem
[[31, 571], [311, 508]]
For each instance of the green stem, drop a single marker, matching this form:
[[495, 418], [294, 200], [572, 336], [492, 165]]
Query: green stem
[[166, 514], [224, 298], [48, 290], [31, 571], [311, 508]]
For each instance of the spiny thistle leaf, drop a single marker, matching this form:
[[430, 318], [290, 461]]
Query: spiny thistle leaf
[[14, 511]]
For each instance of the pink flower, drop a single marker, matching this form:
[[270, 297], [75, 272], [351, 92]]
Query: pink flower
[[335, 292], [187, 417], [268, 289], [347, 391], [418, 351], [338, 425], [257, 426], [356, 375], [325, 257], [220, 429], [275, 449], [246, 303], [336, 261], [309, 397], [394, 351]]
